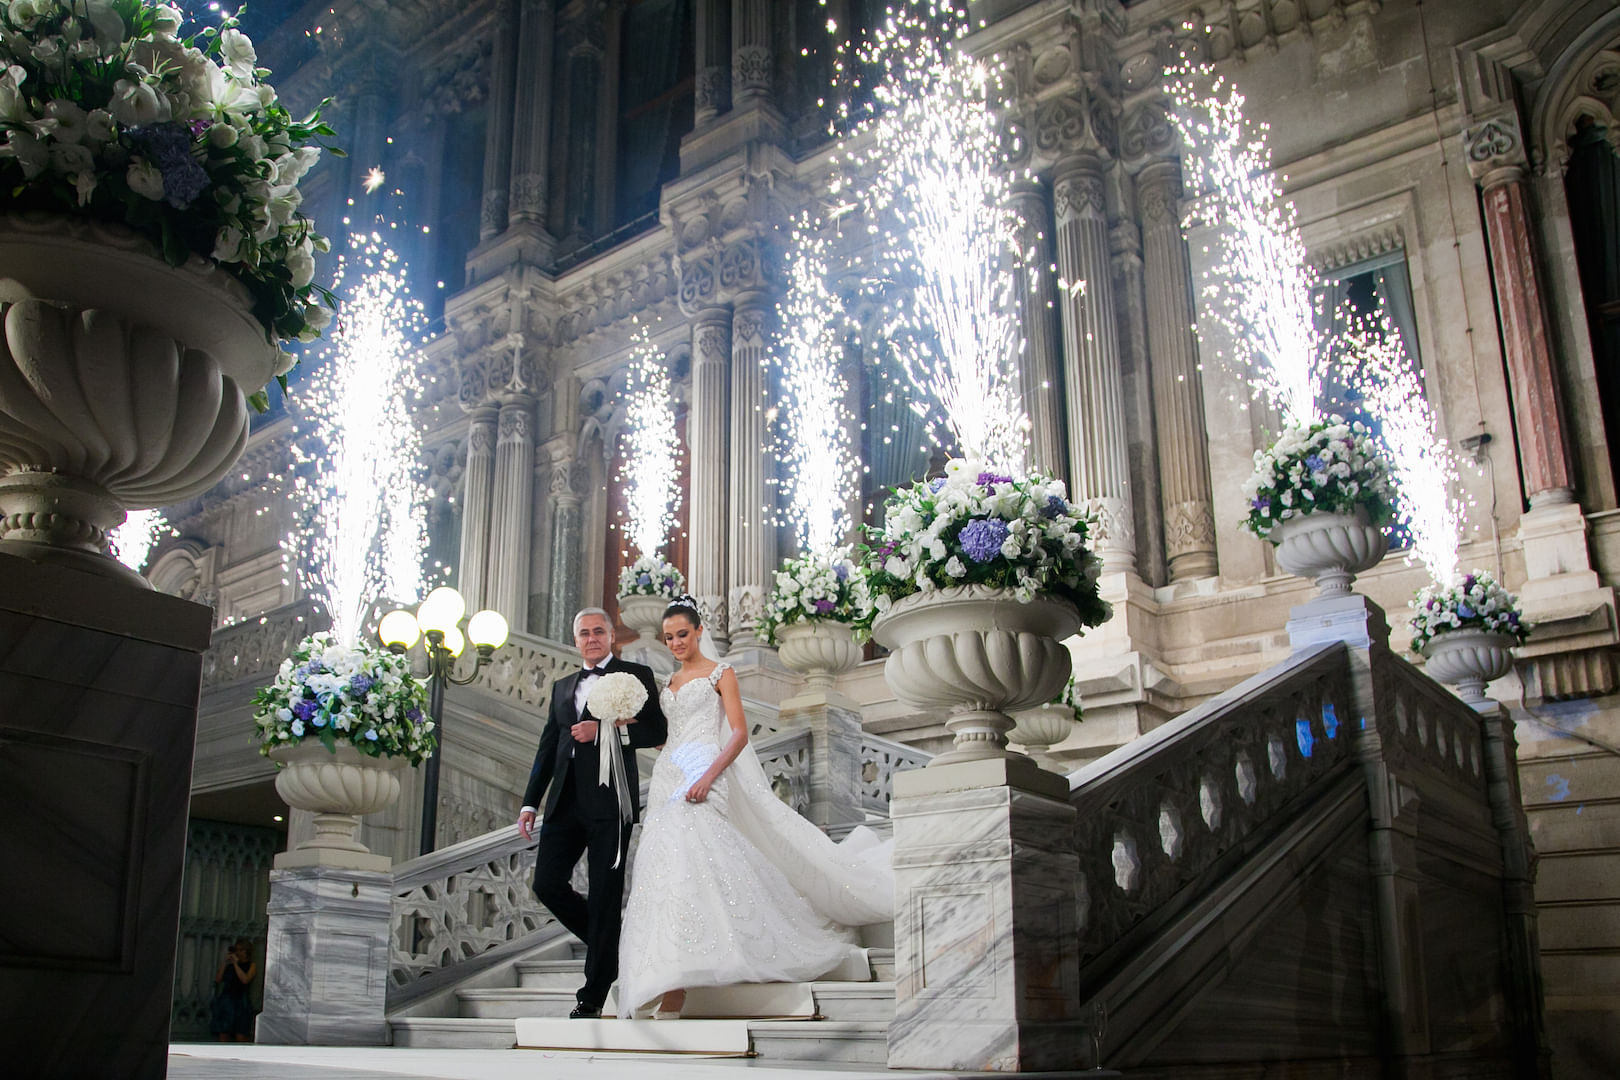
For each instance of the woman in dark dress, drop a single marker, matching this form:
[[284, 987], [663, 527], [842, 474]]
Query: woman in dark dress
[[232, 1011]]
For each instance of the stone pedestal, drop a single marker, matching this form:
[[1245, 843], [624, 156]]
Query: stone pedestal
[[326, 964], [986, 941], [835, 754], [98, 720], [1353, 619]]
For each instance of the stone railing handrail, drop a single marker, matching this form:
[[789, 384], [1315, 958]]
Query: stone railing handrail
[[880, 759], [785, 757], [459, 910], [521, 672], [256, 647], [1161, 813]]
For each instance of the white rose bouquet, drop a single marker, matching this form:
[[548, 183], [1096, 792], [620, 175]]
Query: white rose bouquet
[[1476, 602], [651, 576], [832, 587], [974, 526], [617, 696], [359, 694], [108, 113], [1327, 465]]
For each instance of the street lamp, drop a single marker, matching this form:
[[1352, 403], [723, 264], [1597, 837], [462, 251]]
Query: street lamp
[[437, 621]]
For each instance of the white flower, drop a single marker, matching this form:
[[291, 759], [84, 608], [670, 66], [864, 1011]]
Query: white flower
[[285, 361], [228, 244], [145, 179], [135, 104], [618, 695], [30, 153], [954, 567], [99, 126], [71, 121], [254, 147], [166, 19], [238, 53], [105, 20]]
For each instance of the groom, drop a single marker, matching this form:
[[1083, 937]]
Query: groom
[[582, 817]]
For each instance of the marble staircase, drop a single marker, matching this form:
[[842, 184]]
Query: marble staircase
[[851, 1022]]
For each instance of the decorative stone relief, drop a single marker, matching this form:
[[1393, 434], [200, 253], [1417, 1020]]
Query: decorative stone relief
[[751, 67], [1593, 94], [1188, 526], [1147, 133], [1076, 195], [880, 759], [455, 83], [528, 193], [1493, 145], [1357, 248]]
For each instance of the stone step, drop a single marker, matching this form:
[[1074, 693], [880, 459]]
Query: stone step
[[453, 1033], [857, 1042], [840, 1001], [511, 1002], [555, 974], [569, 974]]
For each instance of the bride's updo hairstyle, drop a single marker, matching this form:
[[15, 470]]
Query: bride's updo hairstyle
[[686, 607]]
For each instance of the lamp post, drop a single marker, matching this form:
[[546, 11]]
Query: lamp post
[[437, 621]]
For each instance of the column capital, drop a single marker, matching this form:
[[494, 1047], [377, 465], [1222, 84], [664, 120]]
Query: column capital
[[1078, 190], [1494, 149]]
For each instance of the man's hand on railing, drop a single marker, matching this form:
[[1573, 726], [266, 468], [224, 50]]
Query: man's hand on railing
[[525, 823]]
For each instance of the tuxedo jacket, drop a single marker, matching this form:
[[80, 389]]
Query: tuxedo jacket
[[559, 754]]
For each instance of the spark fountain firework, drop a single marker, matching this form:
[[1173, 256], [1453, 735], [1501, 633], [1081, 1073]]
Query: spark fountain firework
[[815, 421], [1261, 287], [1425, 466], [362, 533], [132, 542], [652, 482], [929, 161]]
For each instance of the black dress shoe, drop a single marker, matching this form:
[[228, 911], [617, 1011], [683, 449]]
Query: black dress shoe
[[583, 1011]]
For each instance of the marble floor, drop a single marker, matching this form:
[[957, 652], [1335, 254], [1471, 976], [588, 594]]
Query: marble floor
[[204, 1061]]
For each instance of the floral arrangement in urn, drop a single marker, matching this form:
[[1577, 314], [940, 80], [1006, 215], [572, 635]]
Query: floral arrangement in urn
[[974, 526], [110, 114], [1476, 602], [831, 588], [651, 576], [356, 694], [1329, 466]]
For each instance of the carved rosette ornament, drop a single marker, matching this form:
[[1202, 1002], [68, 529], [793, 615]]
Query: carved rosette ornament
[[1494, 146], [123, 384]]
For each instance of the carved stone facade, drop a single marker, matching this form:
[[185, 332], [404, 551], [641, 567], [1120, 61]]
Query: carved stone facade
[[1129, 394]]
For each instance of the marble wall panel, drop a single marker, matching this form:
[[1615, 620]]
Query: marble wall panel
[[326, 962]]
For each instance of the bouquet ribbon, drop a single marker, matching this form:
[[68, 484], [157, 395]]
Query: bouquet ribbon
[[610, 774]]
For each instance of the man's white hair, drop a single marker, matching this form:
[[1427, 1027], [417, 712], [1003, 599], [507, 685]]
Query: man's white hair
[[582, 612]]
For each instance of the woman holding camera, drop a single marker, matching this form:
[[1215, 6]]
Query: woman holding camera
[[231, 1010]]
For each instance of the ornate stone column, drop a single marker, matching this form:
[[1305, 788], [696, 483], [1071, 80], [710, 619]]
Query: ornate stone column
[[1042, 383], [478, 485], [708, 426], [563, 595], [512, 503], [753, 540], [712, 93], [498, 134], [1495, 152], [1098, 454], [531, 131], [1178, 392], [751, 60]]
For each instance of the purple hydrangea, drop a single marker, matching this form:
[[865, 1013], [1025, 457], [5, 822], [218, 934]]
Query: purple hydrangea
[[986, 479], [936, 484], [982, 540], [643, 579], [1464, 611], [1261, 504], [169, 148], [304, 708], [669, 583], [361, 685], [414, 715], [1314, 463], [1056, 506], [841, 572], [1468, 582], [823, 607], [371, 734]]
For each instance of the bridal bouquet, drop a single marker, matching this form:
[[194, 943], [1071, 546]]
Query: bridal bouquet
[[833, 588], [651, 576], [357, 694], [618, 695], [108, 113], [1475, 603], [1329, 465], [974, 526]]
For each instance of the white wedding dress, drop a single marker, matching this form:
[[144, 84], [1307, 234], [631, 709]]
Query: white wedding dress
[[738, 888]]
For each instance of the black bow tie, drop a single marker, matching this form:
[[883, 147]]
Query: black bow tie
[[594, 671]]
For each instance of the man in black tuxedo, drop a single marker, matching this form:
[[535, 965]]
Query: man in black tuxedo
[[582, 817]]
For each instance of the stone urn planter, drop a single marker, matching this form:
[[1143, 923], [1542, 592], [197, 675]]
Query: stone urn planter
[[1468, 659], [1039, 729], [1329, 548], [123, 383], [645, 615], [338, 786], [819, 649], [977, 652]]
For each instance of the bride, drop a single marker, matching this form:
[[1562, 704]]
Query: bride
[[730, 885]]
